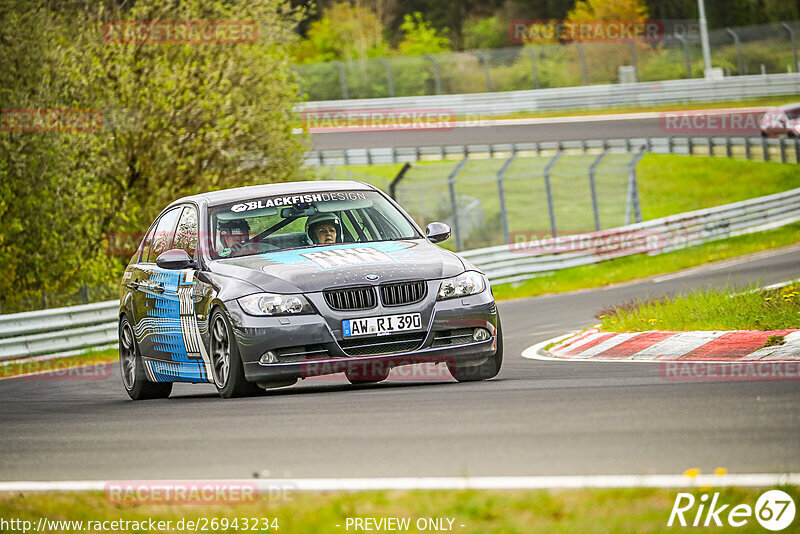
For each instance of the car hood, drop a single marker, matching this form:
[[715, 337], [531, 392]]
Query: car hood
[[321, 267]]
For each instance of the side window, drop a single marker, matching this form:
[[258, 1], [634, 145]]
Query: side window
[[186, 233], [148, 241], [162, 235]]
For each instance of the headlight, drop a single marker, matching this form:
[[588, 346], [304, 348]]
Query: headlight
[[468, 283], [272, 304]]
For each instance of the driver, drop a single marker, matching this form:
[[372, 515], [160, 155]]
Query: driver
[[324, 228], [232, 235]]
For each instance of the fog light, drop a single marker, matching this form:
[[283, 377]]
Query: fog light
[[481, 334], [269, 357]]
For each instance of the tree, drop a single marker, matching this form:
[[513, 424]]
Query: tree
[[344, 32], [608, 10], [177, 119], [420, 37]]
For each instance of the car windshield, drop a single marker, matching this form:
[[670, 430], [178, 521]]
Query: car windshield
[[268, 224]]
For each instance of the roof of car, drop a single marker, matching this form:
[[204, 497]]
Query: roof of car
[[265, 190]]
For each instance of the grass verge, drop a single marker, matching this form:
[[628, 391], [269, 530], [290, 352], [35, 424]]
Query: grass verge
[[585, 510], [62, 367], [710, 309], [641, 266]]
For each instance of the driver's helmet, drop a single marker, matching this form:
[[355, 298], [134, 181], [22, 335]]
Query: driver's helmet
[[238, 229], [317, 218]]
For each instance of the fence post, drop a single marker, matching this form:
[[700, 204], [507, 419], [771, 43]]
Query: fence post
[[686, 55], [85, 293], [633, 189], [634, 60], [532, 57], [710, 146], [793, 38], [397, 179], [690, 145], [670, 144], [342, 79], [738, 43], [501, 193], [389, 81], [550, 206], [451, 184], [484, 57], [728, 147], [797, 150], [593, 186], [436, 76], [783, 150], [747, 154], [765, 148]]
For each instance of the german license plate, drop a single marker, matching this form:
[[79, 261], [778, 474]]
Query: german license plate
[[387, 324]]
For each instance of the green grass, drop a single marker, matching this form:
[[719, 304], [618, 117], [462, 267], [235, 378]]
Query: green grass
[[641, 266], [547, 511], [668, 184], [710, 309], [98, 357]]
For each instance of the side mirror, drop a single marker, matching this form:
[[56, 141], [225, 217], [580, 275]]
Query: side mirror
[[175, 258], [437, 232]]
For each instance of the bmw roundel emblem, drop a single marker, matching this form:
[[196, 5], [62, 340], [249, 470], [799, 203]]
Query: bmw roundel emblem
[[372, 277]]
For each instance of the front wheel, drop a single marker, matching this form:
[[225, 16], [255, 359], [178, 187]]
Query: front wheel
[[130, 363], [484, 371], [226, 363]]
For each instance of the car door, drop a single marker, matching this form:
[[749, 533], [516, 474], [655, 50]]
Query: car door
[[181, 353], [151, 311]]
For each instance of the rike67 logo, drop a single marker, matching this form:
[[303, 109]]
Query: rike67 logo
[[774, 510]]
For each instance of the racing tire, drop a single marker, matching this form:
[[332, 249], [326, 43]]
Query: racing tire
[[484, 371], [130, 363], [226, 362]]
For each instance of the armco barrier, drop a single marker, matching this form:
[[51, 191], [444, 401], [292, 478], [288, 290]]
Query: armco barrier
[[80, 327], [582, 97]]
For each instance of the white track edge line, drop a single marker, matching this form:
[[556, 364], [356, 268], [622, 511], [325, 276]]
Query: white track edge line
[[442, 483]]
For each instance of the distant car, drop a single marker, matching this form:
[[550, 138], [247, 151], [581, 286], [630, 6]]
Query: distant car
[[257, 287], [780, 121]]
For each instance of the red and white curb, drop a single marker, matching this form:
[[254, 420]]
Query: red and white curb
[[713, 346]]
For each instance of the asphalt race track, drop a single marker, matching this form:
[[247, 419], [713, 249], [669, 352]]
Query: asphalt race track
[[536, 418], [573, 128]]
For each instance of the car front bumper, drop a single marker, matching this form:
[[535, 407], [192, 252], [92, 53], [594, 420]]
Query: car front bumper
[[315, 343]]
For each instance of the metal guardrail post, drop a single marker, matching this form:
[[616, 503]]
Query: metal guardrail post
[[389, 81], [633, 203], [738, 43], [437, 79], [550, 206], [532, 57], [484, 57], [710, 146], [501, 194], [686, 55], [397, 179], [747, 150], [342, 79], [765, 148], [634, 60], [783, 150], [793, 38], [670, 145], [584, 68], [728, 147], [690, 145], [593, 187], [451, 184]]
